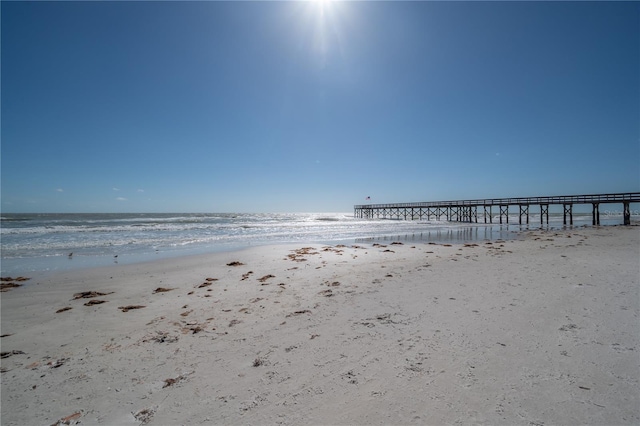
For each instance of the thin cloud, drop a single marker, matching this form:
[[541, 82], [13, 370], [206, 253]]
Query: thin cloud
[[59, 190], [121, 199], [116, 189], [140, 190]]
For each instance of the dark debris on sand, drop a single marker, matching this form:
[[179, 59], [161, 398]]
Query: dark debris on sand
[[94, 302], [9, 283], [130, 307], [89, 294]]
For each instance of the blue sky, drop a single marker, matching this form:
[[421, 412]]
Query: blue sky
[[313, 106]]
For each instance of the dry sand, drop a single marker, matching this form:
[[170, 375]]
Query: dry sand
[[543, 330]]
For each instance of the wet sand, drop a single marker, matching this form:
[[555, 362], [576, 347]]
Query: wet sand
[[542, 330]]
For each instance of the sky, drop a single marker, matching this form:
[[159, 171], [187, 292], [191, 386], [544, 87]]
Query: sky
[[312, 106]]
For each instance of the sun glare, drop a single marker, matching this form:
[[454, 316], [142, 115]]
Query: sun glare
[[322, 5], [322, 22]]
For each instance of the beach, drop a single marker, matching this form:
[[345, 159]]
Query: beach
[[537, 330]]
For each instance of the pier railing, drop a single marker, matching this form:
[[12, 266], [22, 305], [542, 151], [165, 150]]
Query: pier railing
[[467, 210]]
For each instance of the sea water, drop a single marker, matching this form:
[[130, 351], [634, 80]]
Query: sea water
[[50, 242]]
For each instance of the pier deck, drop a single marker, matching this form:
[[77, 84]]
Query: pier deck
[[467, 210]]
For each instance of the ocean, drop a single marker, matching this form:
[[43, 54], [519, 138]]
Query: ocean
[[53, 242]]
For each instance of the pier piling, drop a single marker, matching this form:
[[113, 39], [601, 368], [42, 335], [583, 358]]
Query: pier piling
[[524, 210], [568, 209], [596, 214], [504, 209], [487, 213], [544, 212], [627, 213]]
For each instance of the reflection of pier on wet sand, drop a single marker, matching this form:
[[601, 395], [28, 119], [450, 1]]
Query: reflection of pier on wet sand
[[467, 210], [439, 235]]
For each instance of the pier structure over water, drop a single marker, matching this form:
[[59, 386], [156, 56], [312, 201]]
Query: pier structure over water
[[467, 210]]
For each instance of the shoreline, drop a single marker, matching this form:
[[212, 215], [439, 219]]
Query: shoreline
[[541, 329], [455, 233]]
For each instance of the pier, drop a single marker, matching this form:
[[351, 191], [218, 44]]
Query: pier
[[467, 210]]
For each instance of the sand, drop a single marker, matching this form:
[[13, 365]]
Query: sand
[[541, 330]]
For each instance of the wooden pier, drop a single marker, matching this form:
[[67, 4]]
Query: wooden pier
[[467, 210]]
